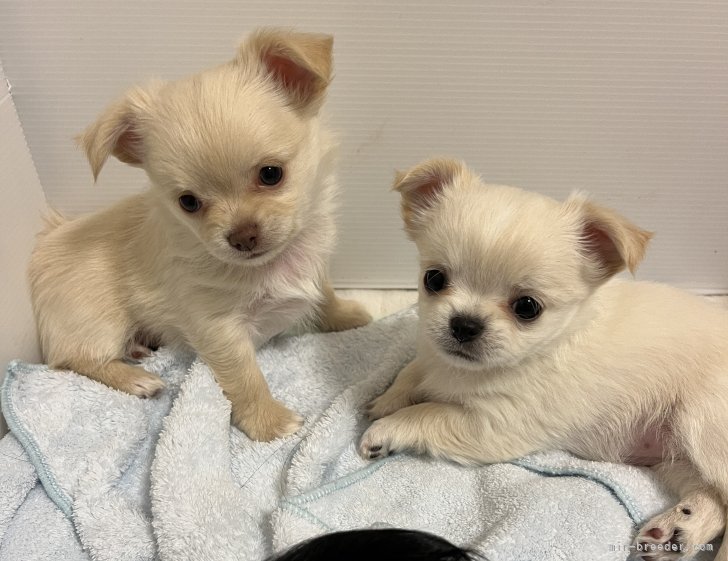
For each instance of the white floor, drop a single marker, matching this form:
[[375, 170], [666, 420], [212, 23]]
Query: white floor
[[381, 303]]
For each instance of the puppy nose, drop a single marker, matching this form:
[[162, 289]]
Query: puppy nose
[[465, 328], [244, 238]]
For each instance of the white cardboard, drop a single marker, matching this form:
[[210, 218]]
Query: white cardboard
[[23, 202], [624, 99]]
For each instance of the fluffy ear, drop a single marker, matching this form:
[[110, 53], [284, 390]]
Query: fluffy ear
[[610, 241], [299, 63], [117, 132], [421, 186]]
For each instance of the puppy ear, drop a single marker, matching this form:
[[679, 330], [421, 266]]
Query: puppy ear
[[611, 242], [298, 63], [117, 132], [422, 185]]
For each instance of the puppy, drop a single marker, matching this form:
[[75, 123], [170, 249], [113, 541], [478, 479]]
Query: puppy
[[525, 344], [227, 247]]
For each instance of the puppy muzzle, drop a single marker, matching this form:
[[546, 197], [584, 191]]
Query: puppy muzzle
[[465, 328]]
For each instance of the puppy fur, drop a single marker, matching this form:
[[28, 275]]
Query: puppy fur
[[611, 370], [224, 277]]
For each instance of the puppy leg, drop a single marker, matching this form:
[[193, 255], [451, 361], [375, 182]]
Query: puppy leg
[[448, 431], [141, 346], [699, 428], [337, 314], [399, 395], [230, 354], [118, 375], [95, 349], [702, 427], [695, 521]]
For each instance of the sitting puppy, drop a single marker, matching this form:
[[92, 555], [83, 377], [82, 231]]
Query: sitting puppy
[[524, 345], [227, 248]]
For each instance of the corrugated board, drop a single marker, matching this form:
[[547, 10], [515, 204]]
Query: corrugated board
[[627, 99], [23, 202]]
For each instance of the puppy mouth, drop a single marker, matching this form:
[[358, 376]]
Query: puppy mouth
[[255, 254], [458, 353], [461, 354]]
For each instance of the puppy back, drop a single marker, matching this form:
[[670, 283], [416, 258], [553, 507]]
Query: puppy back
[[52, 220]]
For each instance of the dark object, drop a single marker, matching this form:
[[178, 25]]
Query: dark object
[[270, 175], [377, 545], [190, 203], [526, 308], [465, 328], [435, 280]]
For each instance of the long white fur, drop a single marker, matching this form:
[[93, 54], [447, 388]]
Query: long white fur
[[144, 270], [609, 367]]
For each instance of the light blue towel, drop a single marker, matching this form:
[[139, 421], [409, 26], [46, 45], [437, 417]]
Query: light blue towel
[[168, 478]]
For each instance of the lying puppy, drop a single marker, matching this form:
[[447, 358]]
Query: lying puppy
[[229, 245], [524, 345]]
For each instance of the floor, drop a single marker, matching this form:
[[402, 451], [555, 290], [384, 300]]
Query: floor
[[381, 303]]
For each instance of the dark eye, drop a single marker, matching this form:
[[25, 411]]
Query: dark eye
[[526, 308], [190, 203], [270, 175], [435, 280]]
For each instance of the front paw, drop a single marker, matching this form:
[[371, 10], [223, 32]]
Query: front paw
[[386, 404], [377, 441], [265, 420], [345, 314]]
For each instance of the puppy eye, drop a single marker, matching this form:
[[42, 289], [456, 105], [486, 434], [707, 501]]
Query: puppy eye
[[435, 280], [526, 308], [270, 175], [190, 203]]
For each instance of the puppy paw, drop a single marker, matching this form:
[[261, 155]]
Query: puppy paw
[[137, 351], [659, 544], [345, 314], [265, 421], [386, 404], [377, 441], [678, 533], [142, 384]]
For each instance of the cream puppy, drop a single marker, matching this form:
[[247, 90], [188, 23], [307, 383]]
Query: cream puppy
[[525, 344], [227, 247]]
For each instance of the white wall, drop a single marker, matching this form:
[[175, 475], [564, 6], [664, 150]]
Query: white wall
[[23, 202], [626, 99]]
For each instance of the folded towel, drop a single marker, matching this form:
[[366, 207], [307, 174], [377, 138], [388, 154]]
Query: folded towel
[[170, 479]]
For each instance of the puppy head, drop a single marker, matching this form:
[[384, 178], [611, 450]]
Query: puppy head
[[234, 153], [504, 272]]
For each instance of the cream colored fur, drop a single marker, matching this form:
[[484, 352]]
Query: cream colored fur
[[146, 272], [611, 370]]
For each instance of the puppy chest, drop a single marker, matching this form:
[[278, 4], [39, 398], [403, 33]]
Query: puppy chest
[[268, 317], [287, 292]]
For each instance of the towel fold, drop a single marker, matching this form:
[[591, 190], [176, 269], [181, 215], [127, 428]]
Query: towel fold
[[170, 479]]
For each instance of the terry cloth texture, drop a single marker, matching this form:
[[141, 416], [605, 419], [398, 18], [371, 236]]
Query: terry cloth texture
[[91, 473]]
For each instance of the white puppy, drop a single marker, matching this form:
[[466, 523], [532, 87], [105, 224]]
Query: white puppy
[[227, 247], [525, 345]]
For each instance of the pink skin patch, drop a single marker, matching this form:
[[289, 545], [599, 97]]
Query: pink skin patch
[[137, 351], [650, 448]]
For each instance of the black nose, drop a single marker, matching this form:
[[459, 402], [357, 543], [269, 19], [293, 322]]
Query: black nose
[[465, 328]]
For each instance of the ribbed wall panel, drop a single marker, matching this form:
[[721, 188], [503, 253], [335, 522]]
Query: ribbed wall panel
[[625, 99]]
